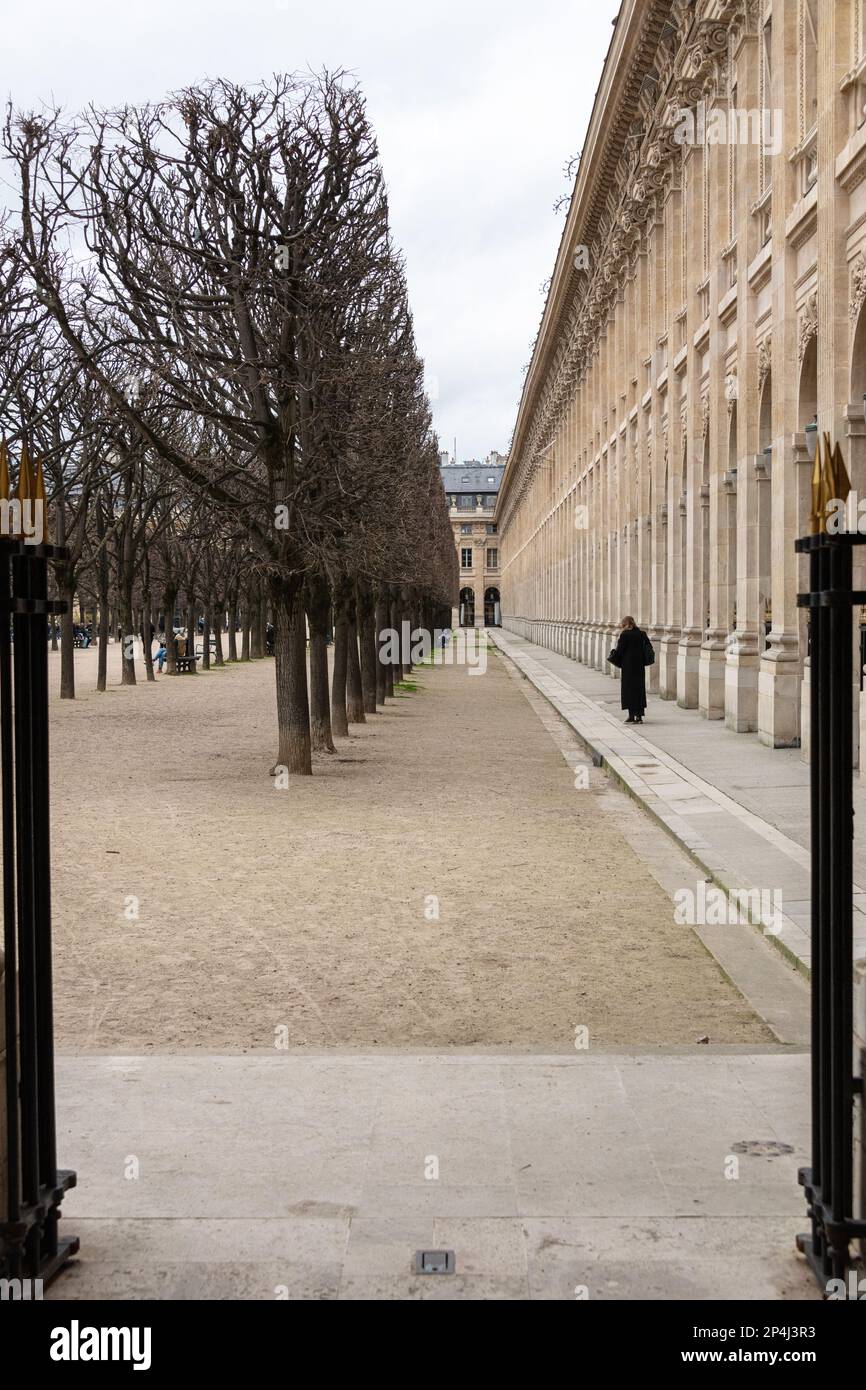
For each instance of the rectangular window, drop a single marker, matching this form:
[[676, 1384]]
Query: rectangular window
[[467, 502], [491, 528], [492, 559], [466, 557], [466, 529]]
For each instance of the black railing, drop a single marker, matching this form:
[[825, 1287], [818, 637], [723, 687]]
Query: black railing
[[30, 1247], [829, 1182]]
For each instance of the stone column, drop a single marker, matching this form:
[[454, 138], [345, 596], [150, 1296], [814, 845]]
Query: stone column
[[689, 650], [779, 722], [744, 654], [716, 424]]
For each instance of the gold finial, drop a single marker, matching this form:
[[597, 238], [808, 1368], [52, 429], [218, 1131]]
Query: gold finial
[[816, 517], [841, 481], [24, 491], [830, 482], [827, 491], [4, 471], [40, 502]]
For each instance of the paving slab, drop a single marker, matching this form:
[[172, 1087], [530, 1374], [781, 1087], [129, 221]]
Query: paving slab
[[318, 1176]]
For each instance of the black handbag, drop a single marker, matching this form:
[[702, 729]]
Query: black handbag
[[649, 655], [614, 658]]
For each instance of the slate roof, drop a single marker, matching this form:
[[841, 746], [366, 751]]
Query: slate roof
[[454, 479]]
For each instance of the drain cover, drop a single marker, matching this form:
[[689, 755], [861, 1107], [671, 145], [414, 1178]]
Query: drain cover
[[762, 1148], [434, 1261]]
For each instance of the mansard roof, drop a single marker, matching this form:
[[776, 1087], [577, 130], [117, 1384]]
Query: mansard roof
[[472, 478]]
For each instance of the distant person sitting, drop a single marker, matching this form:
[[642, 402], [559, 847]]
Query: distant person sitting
[[161, 655]]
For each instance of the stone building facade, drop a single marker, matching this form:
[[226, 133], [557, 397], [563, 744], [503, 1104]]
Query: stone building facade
[[706, 308], [472, 489]]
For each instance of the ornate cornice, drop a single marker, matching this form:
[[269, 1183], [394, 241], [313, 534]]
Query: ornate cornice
[[664, 58]]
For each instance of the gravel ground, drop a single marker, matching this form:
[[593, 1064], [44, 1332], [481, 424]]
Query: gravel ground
[[438, 883]]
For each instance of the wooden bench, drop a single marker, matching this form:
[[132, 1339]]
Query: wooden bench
[[186, 665]]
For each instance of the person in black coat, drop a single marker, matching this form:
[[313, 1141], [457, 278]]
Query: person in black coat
[[630, 655]]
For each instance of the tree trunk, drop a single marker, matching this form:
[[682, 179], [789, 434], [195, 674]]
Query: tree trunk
[[354, 688], [257, 645], [146, 624], [381, 624], [67, 641], [190, 629], [367, 643], [247, 625], [218, 617], [318, 607], [395, 613], [290, 650], [407, 617], [102, 578], [339, 714], [233, 627], [169, 599], [102, 650], [127, 638], [263, 624], [205, 636]]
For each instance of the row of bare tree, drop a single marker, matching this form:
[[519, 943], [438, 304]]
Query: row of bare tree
[[206, 336]]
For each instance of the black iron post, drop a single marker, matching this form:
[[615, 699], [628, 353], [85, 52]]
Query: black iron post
[[29, 1243], [829, 1182]]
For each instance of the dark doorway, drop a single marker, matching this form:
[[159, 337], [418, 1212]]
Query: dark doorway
[[467, 607], [492, 615]]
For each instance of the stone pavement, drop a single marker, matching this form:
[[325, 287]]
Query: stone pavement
[[309, 1176], [740, 809]]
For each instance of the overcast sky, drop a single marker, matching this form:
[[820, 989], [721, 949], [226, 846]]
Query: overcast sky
[[478, 105]]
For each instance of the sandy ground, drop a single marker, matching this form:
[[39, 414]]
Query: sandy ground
[[305, 916]]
